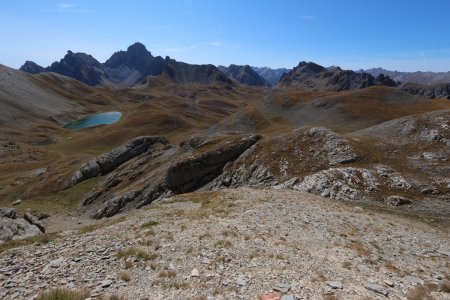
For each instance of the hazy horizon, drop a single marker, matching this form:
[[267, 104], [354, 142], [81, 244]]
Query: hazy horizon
[[400, 35]]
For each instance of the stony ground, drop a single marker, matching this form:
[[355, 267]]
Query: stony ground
[[240, 244]]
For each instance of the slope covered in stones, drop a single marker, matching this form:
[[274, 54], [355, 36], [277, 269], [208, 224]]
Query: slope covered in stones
[[241, 243]]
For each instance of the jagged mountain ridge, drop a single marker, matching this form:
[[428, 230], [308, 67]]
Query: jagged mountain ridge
[[128, 68], [136, 64], [314, 77], [272, 76], [418, 77], [243, 74], [438, 90]]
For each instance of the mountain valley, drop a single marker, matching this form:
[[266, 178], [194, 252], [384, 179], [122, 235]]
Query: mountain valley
[[244, 171]]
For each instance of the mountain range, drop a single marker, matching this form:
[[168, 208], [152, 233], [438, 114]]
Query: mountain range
[[244, 74], [137, 65], [128, 68], [271, 76], [412, 77]]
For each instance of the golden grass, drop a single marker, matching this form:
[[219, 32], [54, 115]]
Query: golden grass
[[38, 240], [64, 294], [137, 252], [109, 222], [223, 244], [167, 273], [125, 276], [358, 247]]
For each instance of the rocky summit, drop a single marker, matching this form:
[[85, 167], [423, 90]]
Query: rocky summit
[[221, 182]]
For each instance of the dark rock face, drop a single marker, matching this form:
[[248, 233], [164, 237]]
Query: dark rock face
[[8, 213], [80, 66], [385, 80], [192, 173], [244, 74], [111, 160], [311, 76], [138, 58], [13, 227], [184, 73], [128, 68], [31, 67], [441, 90]]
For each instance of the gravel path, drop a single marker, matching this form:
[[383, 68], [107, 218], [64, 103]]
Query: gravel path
[[240, 244]]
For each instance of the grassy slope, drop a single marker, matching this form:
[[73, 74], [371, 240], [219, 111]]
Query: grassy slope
[[176, 112]]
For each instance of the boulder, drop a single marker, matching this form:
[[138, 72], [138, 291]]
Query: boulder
[[397, 201], [13, 229], [33, 221], [8, 213], [114, 205]]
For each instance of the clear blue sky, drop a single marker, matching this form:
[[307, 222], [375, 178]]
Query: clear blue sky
[[404, 35]]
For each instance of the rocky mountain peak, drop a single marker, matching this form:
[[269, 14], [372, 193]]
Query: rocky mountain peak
[[243, 74], [311, 76], [138, 49], [310, 67], [31, 67]]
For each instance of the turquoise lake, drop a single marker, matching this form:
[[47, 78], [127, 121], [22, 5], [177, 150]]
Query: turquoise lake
[[98, 119]]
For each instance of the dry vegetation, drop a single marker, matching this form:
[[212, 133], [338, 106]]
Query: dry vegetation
[[63, 294]]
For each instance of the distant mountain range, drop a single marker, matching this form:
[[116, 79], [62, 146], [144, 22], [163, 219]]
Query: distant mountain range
[[271, 76], [311, 76], [128, 68], [412, 77], [136, 65], [244, 74]]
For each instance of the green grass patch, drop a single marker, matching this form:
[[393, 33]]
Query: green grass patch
[[149, 224], [60, 201]]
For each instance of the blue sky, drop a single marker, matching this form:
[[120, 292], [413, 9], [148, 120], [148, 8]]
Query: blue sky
[[394, 34]]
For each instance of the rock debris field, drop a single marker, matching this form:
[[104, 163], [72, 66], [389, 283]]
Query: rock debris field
[[240, 244]]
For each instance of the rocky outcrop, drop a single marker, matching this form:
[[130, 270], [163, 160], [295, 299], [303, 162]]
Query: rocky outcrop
[[33, 221], [311, 76], [441, 90], [336, 149], [193, 172], [13, 227], [347, 184], [244, 75], [111, 160], [397, 201], [8, 213], [352, 184], [162, 171], [277, 159], [114, 205], [140, 197]]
